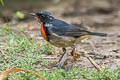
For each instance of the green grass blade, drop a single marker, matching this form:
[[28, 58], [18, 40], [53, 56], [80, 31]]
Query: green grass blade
[[2, 2]]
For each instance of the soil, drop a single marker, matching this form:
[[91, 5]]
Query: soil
[[100, 15]]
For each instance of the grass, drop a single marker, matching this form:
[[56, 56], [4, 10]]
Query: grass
[[19, 51], [2, 2]]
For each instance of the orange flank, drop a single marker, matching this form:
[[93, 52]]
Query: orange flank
[[43, 32]]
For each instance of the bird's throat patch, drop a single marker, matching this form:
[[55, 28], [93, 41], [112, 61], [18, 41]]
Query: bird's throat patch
[[43, 32]]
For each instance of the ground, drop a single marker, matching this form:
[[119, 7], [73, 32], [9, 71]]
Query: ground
[[100, 16]]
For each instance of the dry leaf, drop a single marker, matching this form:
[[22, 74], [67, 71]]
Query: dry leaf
[[76, 56]]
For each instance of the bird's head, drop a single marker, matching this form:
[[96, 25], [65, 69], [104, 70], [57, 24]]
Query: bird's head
[[43, 16]]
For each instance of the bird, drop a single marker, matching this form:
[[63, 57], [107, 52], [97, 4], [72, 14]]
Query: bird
[[61, 34]]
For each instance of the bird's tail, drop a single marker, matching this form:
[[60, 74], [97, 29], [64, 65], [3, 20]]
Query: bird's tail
[[98, 34]]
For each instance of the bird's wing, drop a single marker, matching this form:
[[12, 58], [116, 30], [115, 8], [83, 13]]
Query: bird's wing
[[62, 28], [76, 31]]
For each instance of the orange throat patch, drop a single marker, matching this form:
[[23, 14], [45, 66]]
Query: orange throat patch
[[43, 32]]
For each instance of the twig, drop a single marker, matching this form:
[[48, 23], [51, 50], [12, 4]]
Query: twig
[[49, 57], [6, 73], [93, 62]]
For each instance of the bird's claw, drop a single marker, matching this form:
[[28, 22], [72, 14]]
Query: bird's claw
[[62, 61]]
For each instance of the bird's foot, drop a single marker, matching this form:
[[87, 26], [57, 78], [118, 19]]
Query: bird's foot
[[69, 67], [62, 61], [65, 63]]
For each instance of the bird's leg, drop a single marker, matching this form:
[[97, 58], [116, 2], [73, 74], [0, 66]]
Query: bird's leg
[[63, 59], [73, 51], [73, 60]]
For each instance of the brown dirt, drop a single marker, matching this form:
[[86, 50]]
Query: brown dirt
[[101, 16]]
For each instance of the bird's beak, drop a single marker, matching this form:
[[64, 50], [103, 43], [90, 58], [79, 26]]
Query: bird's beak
[[33, 14]]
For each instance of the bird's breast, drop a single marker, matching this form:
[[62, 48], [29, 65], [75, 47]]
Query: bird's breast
[[61, 41], [43, 33]]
